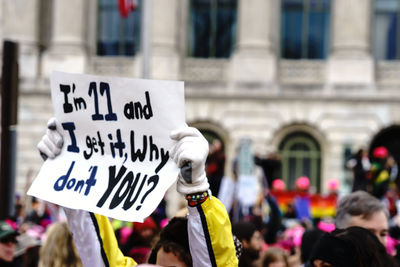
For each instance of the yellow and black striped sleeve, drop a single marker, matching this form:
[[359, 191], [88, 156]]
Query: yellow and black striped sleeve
[[95, 240], [210, 235]]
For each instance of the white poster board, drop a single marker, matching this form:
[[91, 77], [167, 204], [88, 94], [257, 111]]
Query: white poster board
[[115, 158], [247, 182]]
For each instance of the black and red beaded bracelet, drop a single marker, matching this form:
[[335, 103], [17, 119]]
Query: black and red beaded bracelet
[[197, 198]]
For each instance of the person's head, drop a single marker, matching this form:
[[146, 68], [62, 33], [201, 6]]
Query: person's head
[[380, 153], [146, 230], [364, 210], [172, 248], [248, 235], [59, 248], [278, 185], [35, 203], [8, 242], [303, 183], [308, 241], [351, 247], [217, 144], [274, 257], [332, 185]]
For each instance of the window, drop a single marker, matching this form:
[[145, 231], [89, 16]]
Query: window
[[117, 36], [387, 29], [305, 29], [301, 156], [212, 28]]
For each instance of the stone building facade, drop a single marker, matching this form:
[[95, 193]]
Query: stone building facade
[[332, 105]]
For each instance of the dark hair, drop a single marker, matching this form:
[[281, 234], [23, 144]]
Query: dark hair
[[308, 241], [356, 204], [243, 230], [351, 247], [174, 238]]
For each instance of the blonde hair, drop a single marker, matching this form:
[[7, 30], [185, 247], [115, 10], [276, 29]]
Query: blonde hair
[[274, 254], [59, 249]]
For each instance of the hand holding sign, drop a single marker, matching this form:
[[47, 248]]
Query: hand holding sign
[[52, 142], [115, 160], [190, 154]]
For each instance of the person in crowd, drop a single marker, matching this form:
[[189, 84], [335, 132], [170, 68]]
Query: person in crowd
[[351, 247], [28, 248], [58, 249], [172, 245], [278, 185], [274, 257], [208, 225], [393, 167], [8, 245], [139, 242], [274, 223], [302, 202], [123, 231], [19, 211], [393, 247], [290, 212], [362, 209], [290, 239], [308, 241], [380, 172], [360, 165], [251, 240], [270, 165], [38, 215], [215, 166], [332, 186]]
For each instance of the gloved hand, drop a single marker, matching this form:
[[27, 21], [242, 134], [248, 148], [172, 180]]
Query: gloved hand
[[190, 154], [52, 142]]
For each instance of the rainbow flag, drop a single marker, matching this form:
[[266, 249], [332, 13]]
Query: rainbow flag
[[320, 205]]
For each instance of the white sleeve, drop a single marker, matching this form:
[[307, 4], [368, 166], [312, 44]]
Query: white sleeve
[[85, 237]]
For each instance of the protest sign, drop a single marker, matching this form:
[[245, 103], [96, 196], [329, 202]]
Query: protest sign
[[115, 158], [247, 181]]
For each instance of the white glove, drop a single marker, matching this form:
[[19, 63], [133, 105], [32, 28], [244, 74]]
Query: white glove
[[190, 154], [52, 142]]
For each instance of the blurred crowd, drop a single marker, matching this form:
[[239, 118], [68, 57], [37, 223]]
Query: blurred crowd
[[280, 227], [37, 237]]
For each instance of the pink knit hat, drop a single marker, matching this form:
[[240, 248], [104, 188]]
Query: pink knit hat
[[303, 183], [333, 184], [278, 184], [380, 152]]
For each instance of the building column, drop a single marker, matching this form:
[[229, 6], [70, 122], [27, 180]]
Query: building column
[[254, 60], [67, 43], [165, 63], [351, 61], [21, 24]]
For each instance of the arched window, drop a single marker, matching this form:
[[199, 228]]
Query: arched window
[[301, 156], [116, 35], [305, 29], [212, 28], [387, 29]]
